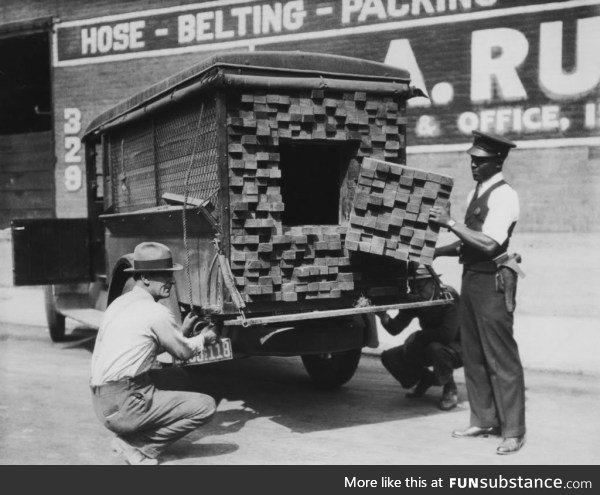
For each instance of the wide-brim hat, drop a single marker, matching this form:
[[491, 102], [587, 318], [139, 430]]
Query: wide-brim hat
[[489, 145], [153, 257]]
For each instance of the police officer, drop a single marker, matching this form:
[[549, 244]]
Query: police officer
[[493, 370], [436, 344]]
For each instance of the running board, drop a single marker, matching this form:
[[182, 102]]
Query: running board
[[87, 316], [76, 305]]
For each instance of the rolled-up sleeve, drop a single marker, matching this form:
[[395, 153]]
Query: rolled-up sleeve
[[170, 337], [400, 322], [165, 329], [503, 206]]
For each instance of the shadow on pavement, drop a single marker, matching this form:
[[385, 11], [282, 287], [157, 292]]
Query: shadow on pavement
[[279, 389], [186, 451]]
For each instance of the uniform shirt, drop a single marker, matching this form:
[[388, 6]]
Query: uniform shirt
[[127, 341], [503, 205]]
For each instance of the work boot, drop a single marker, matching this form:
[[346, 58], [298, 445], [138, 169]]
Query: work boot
[[427, 380], [511, 445], [449, 397], [476, 431], [131, 455]]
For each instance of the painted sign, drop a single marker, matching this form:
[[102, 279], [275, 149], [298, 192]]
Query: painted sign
[[225, 24], [527, 77], [528, 70]]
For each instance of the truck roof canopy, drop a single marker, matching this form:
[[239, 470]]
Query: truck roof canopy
[[268, 69]]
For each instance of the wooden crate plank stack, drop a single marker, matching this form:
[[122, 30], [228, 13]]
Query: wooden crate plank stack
[[390, 212], [271, 262]]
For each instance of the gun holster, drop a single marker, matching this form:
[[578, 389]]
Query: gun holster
[[507, 274]]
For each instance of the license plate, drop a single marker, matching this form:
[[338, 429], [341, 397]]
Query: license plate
[[219, 351]]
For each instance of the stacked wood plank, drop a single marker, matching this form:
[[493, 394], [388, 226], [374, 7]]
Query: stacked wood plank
[[305, 262], [390, 214], [273, 263]]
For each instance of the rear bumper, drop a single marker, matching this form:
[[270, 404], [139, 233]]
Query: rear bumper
[[314, 332], [334, 313], [298, 338]]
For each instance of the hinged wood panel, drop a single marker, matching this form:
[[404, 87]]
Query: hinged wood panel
[[50, 251]]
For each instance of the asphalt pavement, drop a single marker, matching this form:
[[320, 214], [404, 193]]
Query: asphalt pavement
[[268, 413]]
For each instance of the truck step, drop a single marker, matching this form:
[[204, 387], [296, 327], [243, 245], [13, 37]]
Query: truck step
[[88, 316]]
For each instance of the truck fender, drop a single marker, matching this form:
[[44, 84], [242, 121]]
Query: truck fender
[[371, 335], [119, 277]]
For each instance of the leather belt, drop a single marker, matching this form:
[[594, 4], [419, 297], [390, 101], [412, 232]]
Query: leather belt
[[123, 383]]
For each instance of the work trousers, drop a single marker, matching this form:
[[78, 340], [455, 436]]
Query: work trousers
[[493, 370], [408, 363], [150, 411]]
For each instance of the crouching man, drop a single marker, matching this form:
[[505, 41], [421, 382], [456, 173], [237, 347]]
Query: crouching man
[[436, 344], [146, 408]]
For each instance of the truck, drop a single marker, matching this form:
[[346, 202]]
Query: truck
[[254, 168]]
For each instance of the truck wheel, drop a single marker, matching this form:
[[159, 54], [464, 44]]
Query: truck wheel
[[56, 321], [331, 370]]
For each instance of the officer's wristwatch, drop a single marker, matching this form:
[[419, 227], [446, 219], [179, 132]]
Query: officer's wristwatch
[[451, 223]]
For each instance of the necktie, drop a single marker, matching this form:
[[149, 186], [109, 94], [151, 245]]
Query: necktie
[[475, 194]]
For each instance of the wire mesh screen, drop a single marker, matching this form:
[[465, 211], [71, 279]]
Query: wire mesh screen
[[132, 167], [153, 156], [183, 135]]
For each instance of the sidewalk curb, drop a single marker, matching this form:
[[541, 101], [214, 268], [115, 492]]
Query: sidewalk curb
[[545, 343]]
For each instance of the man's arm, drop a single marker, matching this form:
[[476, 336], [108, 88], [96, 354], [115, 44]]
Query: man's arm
[[448, 250], [172, 340], [478, 240], [395, 325]]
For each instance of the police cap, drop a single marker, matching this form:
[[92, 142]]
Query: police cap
[[489, 145]]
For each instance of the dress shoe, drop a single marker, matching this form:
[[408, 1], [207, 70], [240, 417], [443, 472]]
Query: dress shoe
[[449, 399], [511, 445], [476, 431], [131, 455], [425, 382]]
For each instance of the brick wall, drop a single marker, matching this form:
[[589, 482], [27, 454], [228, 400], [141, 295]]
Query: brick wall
[[66, 10], [559, 189]]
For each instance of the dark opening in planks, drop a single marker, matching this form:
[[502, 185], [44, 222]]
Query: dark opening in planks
[[311, 175]]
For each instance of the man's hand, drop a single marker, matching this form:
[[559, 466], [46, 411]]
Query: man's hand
[[384, 317], [440, 215], [211, 334], [188, 323]]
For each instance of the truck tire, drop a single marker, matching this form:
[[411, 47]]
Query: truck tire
[[331, 370], [56, 321]]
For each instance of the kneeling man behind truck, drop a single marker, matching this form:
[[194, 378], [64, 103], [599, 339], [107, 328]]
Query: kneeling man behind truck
[[436, 344], [146, 408]]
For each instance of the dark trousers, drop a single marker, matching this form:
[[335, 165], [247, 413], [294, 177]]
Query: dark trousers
[[493, 370], [408, 363], [151, 411]]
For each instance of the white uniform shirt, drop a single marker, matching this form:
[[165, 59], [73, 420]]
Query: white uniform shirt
[[127, 341], [503, 205]]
